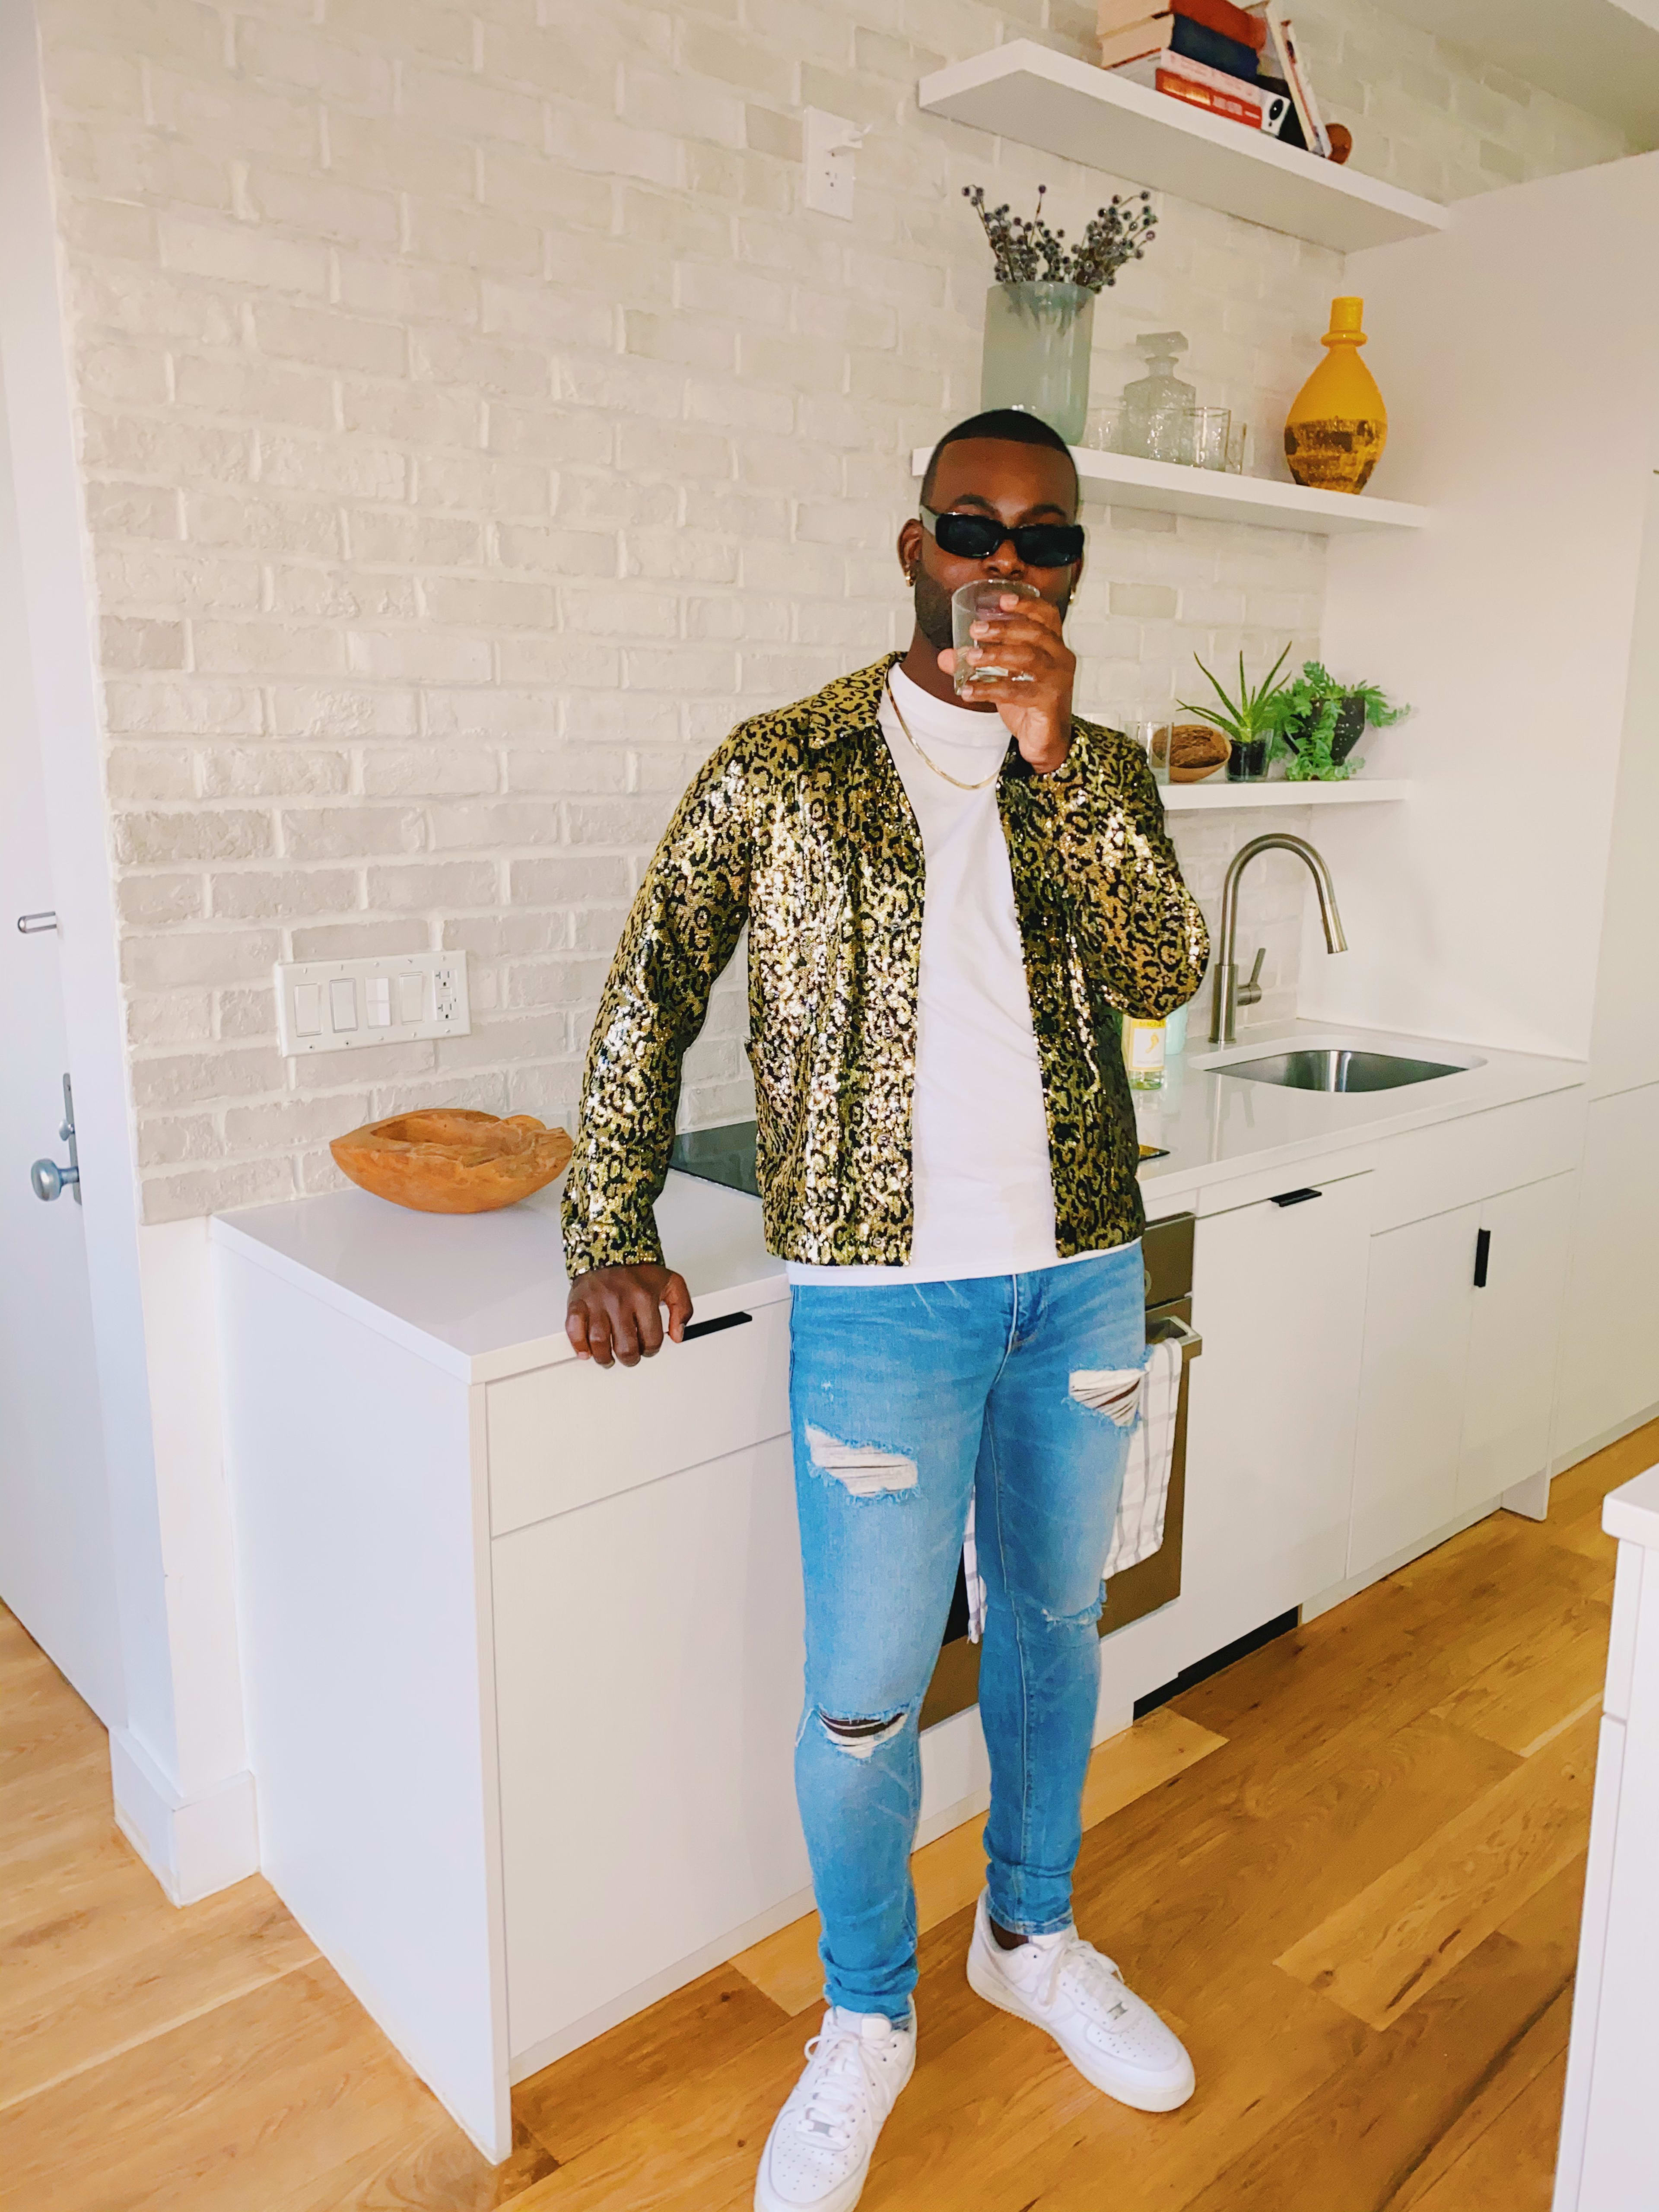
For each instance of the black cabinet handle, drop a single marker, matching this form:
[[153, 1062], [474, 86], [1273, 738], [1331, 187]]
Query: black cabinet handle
[[1296, 1197], [712, 1328], [1482, 1255]]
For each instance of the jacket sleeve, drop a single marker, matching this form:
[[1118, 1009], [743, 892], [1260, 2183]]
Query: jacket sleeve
[[1143, 939], [681, 930]]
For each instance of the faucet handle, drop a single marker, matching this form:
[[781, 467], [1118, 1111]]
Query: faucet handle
[[1248, 993]]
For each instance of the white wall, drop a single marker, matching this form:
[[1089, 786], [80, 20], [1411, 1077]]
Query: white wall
[[474, 426], [1522, 393]]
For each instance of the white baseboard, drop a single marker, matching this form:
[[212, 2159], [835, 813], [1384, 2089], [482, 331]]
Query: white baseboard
[[1339, 1593], [192, 1847]]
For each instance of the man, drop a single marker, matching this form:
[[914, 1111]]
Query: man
[[949, 904]]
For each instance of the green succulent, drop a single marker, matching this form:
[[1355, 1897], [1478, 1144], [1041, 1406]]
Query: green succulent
[[1252, 715]]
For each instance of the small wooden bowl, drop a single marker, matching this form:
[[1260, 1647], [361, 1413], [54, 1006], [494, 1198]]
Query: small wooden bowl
[[1197, 740], [450, 1160]]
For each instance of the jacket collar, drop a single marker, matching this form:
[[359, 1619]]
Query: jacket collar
[[847, 706]]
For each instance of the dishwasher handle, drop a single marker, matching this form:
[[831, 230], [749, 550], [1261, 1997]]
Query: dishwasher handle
[[1170, 1328]]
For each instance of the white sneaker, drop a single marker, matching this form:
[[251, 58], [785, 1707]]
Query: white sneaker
[[818, 2152], [1064, 1985]]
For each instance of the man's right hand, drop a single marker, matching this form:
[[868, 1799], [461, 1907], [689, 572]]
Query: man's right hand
[[614, 1313]]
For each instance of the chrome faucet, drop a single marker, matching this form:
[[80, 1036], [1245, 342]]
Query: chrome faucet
[[1229, 992]]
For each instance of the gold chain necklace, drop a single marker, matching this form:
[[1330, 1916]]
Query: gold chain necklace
[[984, 783]]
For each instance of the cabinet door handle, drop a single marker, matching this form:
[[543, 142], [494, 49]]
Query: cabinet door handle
[[1296, 1197], [712, 1328], [1482, 1255]]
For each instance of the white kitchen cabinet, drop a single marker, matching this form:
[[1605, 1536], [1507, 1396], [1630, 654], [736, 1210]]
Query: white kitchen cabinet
[[648, 1687], [1278, 1292], [1458, 1382], [1412, 1383], [1515, 1330]]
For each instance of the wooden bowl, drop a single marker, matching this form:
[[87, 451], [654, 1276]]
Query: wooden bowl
[[450, 1160], [1199, 750]]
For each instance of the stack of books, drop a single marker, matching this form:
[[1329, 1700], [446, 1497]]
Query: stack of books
[[1242, 64]]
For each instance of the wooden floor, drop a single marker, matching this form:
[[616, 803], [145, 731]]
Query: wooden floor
[[1348, 1869]]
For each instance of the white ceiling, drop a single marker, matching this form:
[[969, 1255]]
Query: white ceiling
[[1602, 55]]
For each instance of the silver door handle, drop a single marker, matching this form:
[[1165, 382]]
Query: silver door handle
[[32, 925], [48, 1179]]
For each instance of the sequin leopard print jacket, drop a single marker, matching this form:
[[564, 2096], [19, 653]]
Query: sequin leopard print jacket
[[799, 825]]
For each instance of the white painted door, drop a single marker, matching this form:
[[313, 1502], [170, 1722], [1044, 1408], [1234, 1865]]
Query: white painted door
[[1514, 1338], [1279, 1294], [1413, 1384], [57, 1569]]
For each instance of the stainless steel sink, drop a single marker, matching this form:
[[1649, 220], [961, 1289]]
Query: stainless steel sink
[[1333, 1067]]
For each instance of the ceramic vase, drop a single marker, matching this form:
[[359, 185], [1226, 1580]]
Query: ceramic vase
[[1338, 426], [1037, 339]]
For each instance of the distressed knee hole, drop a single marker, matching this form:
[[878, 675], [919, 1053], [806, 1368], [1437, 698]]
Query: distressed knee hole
[[864, 1470], [1114, 1391], [860, 1738]]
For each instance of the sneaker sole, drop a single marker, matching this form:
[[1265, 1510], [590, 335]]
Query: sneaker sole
[[1125, 2087]]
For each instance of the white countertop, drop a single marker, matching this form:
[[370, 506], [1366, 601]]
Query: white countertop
[[1215, 1127], [483, 1295], [1632, 1512]]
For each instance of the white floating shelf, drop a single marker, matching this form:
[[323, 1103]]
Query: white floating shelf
[[1070, 108], [1214, 798], [1125, 480]]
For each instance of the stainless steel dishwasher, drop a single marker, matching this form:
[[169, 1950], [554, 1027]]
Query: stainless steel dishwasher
[[1167, 1252]]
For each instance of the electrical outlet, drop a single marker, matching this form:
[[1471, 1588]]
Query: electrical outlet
[[828, 143], [329, 1005]]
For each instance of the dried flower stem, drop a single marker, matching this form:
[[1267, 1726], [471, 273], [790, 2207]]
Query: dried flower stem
[[1026, 251]]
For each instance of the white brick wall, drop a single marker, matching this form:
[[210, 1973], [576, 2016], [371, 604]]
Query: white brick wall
[[474, 427]]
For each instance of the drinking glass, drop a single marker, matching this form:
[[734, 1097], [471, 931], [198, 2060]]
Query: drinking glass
[[1238, 448], [1150, 729], [1210, 428], [1103, 430], [980, 602]]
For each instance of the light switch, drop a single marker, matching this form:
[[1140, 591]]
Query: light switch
[[390, 998]]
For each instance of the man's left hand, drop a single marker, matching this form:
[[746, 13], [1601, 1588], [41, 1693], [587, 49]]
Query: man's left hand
[[1035, 697]]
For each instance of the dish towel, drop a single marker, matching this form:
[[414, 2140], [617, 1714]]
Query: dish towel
[[1138, 1529]]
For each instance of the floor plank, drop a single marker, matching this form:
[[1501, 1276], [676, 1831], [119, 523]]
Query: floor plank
[[1524, 1699], [950, 1872], [1384, 1950], [1511, 2167]]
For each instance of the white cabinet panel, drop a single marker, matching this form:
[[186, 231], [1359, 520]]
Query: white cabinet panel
[[1610, 1331], [1452, 1163], [1413, 1384], [562, 1437], [648, 1685], [1278, 1293], [1513, 1337]]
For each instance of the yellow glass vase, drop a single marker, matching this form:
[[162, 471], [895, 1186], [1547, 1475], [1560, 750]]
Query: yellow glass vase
[[1338, 426]]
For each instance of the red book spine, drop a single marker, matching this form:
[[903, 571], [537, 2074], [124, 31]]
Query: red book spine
[[1224, 104]]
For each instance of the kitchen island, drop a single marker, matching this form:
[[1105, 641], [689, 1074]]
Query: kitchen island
[[522, 1638]]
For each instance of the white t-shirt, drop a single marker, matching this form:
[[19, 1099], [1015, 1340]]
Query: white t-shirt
[[981, 1182]]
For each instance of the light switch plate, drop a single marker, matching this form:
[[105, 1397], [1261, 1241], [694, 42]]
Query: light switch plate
[[329, 1005]]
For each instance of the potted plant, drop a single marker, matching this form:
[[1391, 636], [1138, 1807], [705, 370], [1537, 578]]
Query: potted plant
[[1319, 722], [1250, 721], [1039, 316]]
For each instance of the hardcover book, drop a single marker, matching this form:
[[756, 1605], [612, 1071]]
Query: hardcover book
[[1232, 23], [1200, 87], [1182, 36]]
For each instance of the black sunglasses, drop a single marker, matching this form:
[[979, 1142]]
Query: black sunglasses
[[977, 537]]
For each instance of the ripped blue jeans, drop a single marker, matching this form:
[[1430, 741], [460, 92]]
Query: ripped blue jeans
[[907, 1399]]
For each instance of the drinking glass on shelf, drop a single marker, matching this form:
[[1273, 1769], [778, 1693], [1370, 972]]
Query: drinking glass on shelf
[[1169, 435], [1238, 448], [1210, 428], [1102, 432], [1149, 728]]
